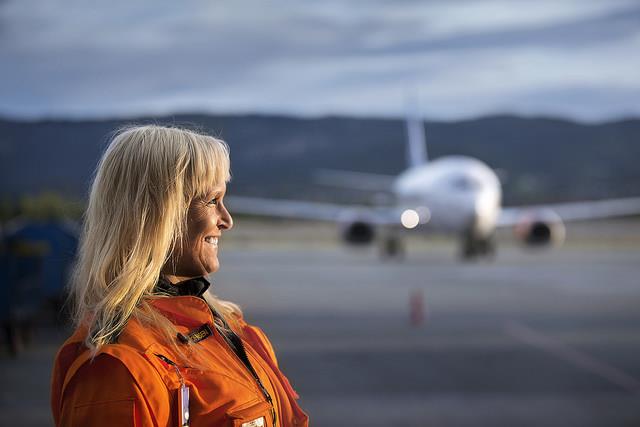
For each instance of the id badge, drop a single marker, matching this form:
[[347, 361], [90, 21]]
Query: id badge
[[183, 406], [258, 422]]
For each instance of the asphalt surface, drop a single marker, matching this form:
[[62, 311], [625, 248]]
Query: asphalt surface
[[530, 339]]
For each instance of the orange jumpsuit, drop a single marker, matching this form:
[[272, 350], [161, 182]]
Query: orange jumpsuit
[[137, 383]]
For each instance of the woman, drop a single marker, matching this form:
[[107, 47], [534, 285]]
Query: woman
[[152, 347]]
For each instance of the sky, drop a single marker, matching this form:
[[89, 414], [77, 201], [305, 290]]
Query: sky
[[445, 60]]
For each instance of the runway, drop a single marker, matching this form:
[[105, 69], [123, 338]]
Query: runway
[[530, 339]]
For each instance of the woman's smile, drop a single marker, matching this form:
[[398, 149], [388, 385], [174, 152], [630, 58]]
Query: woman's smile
[[212, 240]]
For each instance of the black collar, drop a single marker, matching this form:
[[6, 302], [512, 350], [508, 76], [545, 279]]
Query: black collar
[[194, 287]]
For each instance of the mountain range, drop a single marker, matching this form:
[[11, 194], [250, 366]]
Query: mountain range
[[539, 159]]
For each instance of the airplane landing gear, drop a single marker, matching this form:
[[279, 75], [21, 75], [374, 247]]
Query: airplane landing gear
[[474, 247], [392, 247]]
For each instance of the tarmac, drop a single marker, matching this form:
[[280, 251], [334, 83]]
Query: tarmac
[[531, 338]]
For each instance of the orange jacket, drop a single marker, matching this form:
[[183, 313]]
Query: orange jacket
[[133, 382]]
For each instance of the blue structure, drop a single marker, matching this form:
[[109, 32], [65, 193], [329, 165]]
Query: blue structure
[[35, 260]]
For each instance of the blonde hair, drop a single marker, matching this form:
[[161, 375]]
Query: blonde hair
[[136, 217]]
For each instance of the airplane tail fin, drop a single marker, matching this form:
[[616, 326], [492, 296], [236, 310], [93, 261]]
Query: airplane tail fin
[[416, 143]]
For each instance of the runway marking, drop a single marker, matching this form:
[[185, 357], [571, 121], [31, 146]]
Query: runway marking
[[576, 357]]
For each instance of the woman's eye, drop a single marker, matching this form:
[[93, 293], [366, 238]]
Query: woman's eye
[[213, 201]]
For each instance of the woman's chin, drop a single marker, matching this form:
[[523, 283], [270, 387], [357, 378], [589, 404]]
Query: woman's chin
[[213, 266]]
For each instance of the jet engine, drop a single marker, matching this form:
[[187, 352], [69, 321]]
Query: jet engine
[[540, 228], [357, 229]]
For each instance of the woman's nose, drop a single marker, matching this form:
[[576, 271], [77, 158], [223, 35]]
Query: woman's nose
[[225, 221]]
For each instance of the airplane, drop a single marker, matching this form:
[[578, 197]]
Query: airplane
[[457, 195]]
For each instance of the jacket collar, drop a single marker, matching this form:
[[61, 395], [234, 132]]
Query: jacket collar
[[188, 311], [191, 287]]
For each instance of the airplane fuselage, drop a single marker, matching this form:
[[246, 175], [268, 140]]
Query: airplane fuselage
[[451, 194]]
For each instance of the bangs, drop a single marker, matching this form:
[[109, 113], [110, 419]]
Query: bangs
[[208, 165]]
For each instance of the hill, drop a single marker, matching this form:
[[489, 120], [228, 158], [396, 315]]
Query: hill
[[543, 159]]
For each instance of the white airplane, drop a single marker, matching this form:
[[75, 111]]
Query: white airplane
[[453, 194]]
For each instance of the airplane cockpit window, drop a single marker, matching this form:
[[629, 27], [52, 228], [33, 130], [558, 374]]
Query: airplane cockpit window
[[464, 183]]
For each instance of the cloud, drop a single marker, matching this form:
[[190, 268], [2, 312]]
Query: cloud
[[86, 58]]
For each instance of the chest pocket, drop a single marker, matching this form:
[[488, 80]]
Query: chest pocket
[[255, 415]]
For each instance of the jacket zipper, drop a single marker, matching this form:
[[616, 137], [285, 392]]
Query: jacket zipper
[[244, 359], [262, 387]]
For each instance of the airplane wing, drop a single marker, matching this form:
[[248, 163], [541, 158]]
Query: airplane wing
[[295, 209], [574, 211]]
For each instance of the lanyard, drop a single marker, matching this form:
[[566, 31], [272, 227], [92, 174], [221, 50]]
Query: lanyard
[[183, 395]]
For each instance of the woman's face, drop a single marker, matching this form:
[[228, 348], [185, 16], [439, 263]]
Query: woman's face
[[206, 219]]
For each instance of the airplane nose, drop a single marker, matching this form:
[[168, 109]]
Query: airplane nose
[[485, 210], [482, 205]]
